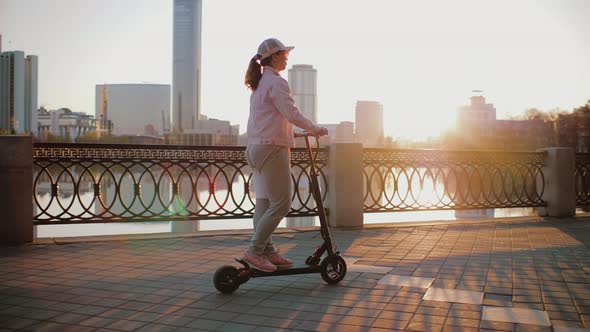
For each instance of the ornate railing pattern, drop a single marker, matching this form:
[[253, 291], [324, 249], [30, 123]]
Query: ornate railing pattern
[[582, 179], [407, 180], [85, 183]]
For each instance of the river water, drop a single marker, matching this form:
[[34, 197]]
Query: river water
[[71, 230]]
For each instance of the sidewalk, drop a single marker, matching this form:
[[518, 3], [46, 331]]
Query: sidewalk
[[501, 275]]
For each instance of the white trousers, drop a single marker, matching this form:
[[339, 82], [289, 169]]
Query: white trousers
[[271, 168]]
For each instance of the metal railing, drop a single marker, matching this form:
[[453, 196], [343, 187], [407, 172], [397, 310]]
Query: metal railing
[[410, 180], [582, 179], [86, 183]]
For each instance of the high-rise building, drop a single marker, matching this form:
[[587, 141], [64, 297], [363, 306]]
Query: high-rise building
[[369, 122], [476, 121], [126, 109], [303, 83], [18, 92], [186, 67]]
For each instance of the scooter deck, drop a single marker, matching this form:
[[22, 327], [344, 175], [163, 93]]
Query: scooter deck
[[302, 269], [281, 271]]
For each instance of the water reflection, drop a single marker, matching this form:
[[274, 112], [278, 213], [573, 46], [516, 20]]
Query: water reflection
[[229, 224]]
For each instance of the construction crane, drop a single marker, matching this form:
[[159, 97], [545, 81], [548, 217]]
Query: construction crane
[[102, 123]]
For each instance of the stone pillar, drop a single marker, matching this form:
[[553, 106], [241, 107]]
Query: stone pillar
[[345, 185], [560, 191], [185, 226], [16, 189]]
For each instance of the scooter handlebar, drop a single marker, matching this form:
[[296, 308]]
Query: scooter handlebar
[[302, 134], [305, 134]]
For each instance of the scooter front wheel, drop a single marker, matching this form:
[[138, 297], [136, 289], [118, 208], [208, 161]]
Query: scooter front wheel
[[333, 269], [226, 279]]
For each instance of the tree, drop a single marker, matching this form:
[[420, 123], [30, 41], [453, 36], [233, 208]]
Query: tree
[[90, 137], [585, 108], [51, 138], [537, 114]]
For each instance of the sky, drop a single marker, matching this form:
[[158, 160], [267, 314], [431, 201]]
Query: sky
[[421, 59]]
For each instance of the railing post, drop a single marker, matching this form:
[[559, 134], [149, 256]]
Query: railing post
[[16, 189], [345, 185], [560, 191]]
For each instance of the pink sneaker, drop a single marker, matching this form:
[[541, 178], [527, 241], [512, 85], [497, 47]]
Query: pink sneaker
[[259, 262], [280, 261]]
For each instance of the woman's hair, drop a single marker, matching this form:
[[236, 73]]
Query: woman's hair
[[254, 71]]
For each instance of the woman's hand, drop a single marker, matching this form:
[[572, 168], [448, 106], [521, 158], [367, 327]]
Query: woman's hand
[[320, 131]]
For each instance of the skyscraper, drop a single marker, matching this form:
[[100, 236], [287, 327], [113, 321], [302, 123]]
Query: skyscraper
[[186, 66], [18, 92], [303, 83], [369, 122]]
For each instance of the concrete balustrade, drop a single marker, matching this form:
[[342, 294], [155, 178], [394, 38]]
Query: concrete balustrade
[[16, 189], [560, 192], [345, 185]]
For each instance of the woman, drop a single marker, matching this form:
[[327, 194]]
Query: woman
[[270, 136]]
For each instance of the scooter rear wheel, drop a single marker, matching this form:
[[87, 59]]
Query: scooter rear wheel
[[226, 279], [333, 269]]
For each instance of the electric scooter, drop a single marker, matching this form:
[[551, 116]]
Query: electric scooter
[[332, 268]]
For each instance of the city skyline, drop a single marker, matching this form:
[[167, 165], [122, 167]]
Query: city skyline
[[420, 64]]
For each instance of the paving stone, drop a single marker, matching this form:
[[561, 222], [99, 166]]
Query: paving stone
[[126, 325], [432, 311], [526, 305], [453, 295], [205, 324], [497, 300], [558, 300], [16, 323], [516, 315], [430, 319], [486, 325], [527, 298], [462, 322], [569, 329], [146, 317], [406, 281], [368, 269], [174, 320], [235, 327], [157, 328], [454, 328], [51, 326], [69, 318], [424, 326], [390, 324], [532, 328], [97, 322], [560, 307], [498, 290]]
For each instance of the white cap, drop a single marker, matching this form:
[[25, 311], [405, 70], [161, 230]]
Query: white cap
[[271, 46]]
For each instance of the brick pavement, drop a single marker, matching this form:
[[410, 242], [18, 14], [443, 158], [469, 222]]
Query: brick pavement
[[516, 275]]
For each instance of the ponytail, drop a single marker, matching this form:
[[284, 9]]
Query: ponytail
[[254, 71]]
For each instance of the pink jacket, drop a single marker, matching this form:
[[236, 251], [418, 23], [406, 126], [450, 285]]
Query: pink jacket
[[273, 112]]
